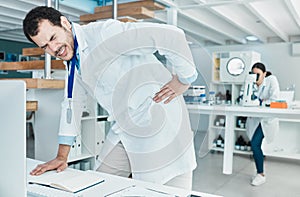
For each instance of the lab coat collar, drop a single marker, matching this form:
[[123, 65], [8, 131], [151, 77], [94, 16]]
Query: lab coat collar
[[82, 44], [263, 83]]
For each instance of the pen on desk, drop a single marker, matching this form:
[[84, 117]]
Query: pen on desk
[[161, 192], [119, 190]]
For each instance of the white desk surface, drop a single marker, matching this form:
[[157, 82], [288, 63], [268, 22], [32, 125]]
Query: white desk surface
[[110, 185], [231, 111], [247, 111]]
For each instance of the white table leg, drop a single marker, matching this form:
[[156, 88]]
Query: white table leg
[[229, 144]]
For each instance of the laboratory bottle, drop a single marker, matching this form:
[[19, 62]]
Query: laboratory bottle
[[228, 96], [202, 98], [211, 98], [219, 141], [237, 145]]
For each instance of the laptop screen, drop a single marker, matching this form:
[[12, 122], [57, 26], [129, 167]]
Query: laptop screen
[[13, 141]]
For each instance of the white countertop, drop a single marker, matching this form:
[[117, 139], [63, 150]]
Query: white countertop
[[111, 184], [245, 111]]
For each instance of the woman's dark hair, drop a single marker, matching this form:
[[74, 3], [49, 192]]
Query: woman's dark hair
[[260, 66], [32, 19], [268, 73]]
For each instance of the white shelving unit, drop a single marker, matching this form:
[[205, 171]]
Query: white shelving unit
[[285, 145], [88, 144], [92, 137], [220, 88], [215, 131]]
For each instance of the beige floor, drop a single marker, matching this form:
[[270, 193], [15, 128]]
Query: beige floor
[[283, 176]]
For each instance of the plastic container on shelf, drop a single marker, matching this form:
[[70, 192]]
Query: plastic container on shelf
[[211, 97], [202, 98]]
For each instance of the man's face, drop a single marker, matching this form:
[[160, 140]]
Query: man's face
[[56, 41]]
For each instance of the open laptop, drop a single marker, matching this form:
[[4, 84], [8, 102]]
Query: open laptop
[[13, 140]]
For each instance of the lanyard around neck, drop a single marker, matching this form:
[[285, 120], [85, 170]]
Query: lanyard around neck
[[72, 69]]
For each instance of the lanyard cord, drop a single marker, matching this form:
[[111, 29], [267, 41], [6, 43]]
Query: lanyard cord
[[261, 91], [72, 69]]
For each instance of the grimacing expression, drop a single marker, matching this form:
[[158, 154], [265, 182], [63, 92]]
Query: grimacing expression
[[261, 75], [56, 41]]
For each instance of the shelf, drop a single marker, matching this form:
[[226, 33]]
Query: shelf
[[93, 117], [126, 19], [80, 157], [33, 51], [242, 152], [31, 105], [31, 65], [151, 5], [234, 151], [138, 13], [32, 83], [239, 129], [217, 149], [216, 127]]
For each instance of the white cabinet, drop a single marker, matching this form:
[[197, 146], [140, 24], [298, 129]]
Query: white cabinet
[[286, 143]]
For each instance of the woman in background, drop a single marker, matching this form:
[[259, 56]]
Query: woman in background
[[267, 87]]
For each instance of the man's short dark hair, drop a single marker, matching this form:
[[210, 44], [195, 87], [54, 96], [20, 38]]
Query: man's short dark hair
[[33, 17]]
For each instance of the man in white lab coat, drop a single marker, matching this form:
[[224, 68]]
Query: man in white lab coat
[[150, 136]]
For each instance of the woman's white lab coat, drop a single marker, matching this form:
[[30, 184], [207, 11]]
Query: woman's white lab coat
[[118, 69], [268, 91]]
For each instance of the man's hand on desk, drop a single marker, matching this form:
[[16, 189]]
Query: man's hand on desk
[[58, 164]]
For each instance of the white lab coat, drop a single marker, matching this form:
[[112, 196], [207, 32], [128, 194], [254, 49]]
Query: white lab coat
[[119, 70], [268, 91]]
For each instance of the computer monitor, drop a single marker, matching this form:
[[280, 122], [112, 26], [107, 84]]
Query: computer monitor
[[12, 141]]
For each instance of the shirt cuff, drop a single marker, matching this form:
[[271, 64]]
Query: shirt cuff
[[66, 140], [188, 80]]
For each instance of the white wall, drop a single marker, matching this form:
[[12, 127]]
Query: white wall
[[277, 58]]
